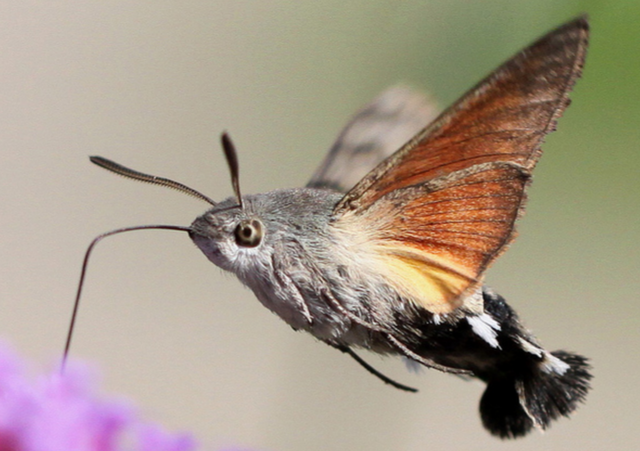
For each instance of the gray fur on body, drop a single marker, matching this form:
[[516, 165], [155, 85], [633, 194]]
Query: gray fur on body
[[300, 259], [294, 262]]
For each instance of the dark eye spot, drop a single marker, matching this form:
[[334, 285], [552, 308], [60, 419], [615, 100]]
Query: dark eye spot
[[248, 233]]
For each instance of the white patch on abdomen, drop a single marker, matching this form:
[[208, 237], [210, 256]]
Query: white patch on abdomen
[[486, 328]]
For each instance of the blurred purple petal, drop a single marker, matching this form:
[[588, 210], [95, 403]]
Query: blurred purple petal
[[64, 413]]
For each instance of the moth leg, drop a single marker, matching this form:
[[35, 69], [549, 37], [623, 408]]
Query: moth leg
[[292, 290], [408, 353], [338, 306], [391, 338], [372, 370], [297, 296]]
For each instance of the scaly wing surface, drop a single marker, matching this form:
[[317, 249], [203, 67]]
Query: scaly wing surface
[[435, 214], [374, 133]]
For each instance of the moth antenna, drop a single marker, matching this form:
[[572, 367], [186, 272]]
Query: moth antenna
[[155, 180], [372, 370], [232, 160], [83, 273]]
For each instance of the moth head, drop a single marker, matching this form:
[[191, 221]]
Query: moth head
[[225, 220], [224, 232], [230, 236]]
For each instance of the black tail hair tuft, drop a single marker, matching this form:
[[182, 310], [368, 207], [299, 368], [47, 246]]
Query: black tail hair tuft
[[511, 406]]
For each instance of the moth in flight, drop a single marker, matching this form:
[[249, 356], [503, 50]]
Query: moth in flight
[[386, 249]]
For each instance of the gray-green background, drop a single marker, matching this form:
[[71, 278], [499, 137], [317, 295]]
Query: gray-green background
[[151, 84]]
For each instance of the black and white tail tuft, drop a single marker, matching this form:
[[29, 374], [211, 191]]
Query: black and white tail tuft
[[547, 389]]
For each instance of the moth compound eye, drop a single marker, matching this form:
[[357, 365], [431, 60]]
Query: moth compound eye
[[248, 233]]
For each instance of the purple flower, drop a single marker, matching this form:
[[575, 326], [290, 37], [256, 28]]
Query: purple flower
[[62, 412]]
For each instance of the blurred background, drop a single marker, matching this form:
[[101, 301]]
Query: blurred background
[[151, 84]]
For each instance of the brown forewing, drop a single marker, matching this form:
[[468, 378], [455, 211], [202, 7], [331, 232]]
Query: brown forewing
[[504, 118], [455, 191]]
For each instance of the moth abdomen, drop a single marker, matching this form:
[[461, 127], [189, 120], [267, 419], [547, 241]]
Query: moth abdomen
[[527, 386]]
